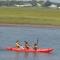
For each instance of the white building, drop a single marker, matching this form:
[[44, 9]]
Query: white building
[[53, 6]]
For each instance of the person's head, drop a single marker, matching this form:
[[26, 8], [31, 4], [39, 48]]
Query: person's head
[[17, 41], [26, 42]]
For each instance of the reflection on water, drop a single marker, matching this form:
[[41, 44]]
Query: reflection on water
[[30, 56], [26, 55], [17, 56]]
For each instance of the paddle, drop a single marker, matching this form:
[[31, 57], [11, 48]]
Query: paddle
[[37, 41]]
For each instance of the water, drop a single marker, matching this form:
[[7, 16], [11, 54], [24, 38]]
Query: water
[[47, 37]]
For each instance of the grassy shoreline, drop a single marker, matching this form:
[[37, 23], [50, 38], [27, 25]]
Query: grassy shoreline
[[32, 16]]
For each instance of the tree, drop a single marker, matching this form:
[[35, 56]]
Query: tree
[[47, 3], [34, 2]]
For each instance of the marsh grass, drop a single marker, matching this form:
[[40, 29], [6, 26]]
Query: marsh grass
[[30, 15]]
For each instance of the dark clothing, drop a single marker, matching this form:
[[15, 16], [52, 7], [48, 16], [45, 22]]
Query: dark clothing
[[26, 45], [35, 47]]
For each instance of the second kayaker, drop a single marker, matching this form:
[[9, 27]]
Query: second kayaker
[[26, 45]]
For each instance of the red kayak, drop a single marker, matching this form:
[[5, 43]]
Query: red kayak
[[43, 50]]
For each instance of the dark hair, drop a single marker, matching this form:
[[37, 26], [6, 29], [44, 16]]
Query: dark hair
[[35, 44], [17, 41], [26, 42]]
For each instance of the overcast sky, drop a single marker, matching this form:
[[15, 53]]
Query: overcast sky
[[58, 1]]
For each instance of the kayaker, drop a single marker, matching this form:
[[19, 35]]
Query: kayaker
[[17, 44], [26, 45], [35, 46]]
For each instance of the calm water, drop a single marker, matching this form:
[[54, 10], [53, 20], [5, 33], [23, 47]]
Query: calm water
[[48, 37]]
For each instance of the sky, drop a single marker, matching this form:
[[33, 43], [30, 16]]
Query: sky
[[58, 1]]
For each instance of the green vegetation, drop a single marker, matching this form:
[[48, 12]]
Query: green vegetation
[[29, 15]]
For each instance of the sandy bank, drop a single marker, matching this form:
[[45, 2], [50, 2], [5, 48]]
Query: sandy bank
[[29, 25]]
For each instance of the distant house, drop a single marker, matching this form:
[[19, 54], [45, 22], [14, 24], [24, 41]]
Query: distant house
[[53, 6], [24, 5], [50, 4]]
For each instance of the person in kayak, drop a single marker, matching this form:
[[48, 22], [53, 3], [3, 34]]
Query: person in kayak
[[17, 44], [26, 45], [35, 46]]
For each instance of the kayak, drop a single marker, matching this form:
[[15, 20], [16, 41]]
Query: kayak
[[44, 50]]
